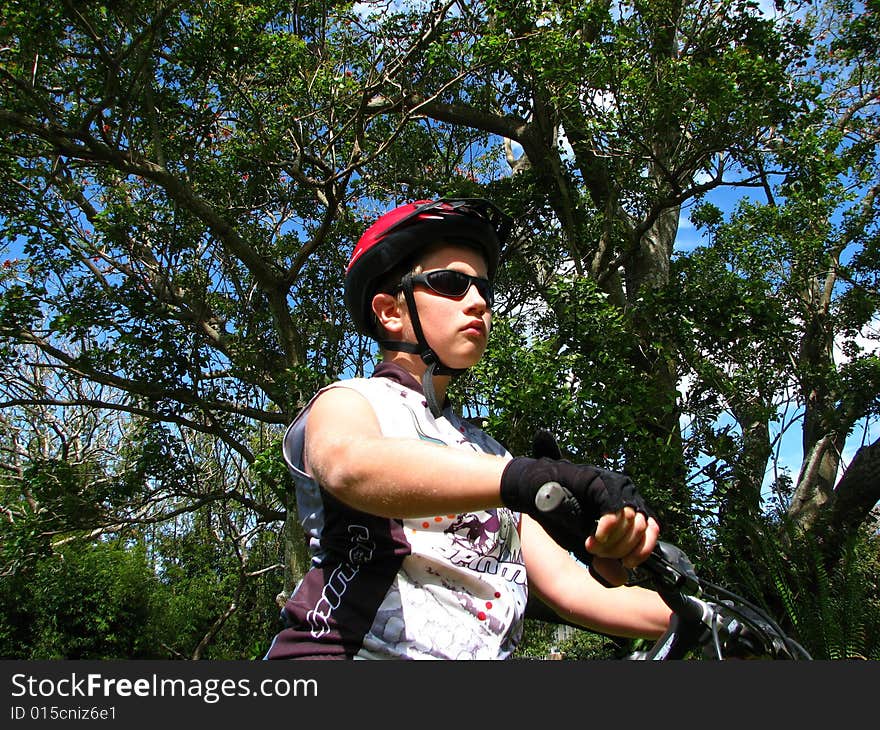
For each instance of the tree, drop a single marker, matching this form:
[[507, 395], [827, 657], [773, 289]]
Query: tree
[[180, 192], [807, 252], [181, 188]]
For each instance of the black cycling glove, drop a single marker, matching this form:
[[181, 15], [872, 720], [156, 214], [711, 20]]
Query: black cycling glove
[[567, 499]]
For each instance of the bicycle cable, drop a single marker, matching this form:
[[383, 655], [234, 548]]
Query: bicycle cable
[[792, 646]]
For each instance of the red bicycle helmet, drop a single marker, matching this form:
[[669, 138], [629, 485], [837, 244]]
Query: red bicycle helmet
[[403, 232]]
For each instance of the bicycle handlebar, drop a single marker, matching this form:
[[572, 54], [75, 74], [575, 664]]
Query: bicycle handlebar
[[705, 616]]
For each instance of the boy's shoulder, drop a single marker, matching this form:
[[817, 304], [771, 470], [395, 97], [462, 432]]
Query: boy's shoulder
[[381, 393], [369, 385]]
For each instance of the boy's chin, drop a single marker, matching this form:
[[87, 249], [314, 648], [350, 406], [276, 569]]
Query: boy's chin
[[464, 360]]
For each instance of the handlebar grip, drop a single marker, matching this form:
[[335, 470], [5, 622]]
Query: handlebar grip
[[667, 563], [552, 495]]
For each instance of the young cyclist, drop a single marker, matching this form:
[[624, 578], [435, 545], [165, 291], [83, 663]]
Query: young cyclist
[[426, 534]]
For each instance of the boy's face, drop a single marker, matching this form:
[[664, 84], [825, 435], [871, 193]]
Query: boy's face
[[457, 329]]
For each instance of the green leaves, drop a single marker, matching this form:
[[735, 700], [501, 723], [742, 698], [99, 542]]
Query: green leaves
[[88, 603], [833, 609], [180, 191]]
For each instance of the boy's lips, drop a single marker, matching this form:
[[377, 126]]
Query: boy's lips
[[476, 326]]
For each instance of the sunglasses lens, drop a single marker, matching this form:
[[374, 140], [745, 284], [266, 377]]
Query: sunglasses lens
[[450, 283], [456, 284]]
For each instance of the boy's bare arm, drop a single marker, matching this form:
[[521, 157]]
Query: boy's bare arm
[[567, 586], [348, 455]]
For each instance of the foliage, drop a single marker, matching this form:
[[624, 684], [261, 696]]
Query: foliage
[[198, 579], [181, 187], [544, 640], [84, 602], [92, 520], [832, 609], [115, 600]]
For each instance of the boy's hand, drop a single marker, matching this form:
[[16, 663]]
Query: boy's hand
[[597, 494], [622, 540]]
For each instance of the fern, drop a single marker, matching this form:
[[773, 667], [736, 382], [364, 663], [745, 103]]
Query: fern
[[833, 610]]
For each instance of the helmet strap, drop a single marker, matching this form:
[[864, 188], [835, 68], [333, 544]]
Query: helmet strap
[[423, 350]]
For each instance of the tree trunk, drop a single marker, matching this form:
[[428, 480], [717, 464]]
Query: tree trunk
[[649, 268], [815, 484], [855, 497], [821, 442], [296, 551]]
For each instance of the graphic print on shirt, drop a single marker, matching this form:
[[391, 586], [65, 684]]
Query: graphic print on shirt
[[421, 432], [361, 552], [485, 542], [461, 593], [469, 529]]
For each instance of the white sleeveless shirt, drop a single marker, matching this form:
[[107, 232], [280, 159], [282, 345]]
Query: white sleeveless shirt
[[447, 586]]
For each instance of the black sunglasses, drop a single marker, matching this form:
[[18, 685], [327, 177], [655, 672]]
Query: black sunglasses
[[454, 284], [476, 207]]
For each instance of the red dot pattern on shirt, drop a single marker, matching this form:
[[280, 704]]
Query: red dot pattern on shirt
[[481, 615]]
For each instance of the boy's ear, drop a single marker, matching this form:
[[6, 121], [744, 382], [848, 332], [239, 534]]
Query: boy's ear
[[388, 312]]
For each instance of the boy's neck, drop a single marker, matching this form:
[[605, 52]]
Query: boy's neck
[[416, 367]]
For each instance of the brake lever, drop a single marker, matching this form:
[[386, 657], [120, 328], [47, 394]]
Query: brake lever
[[670, 568]]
